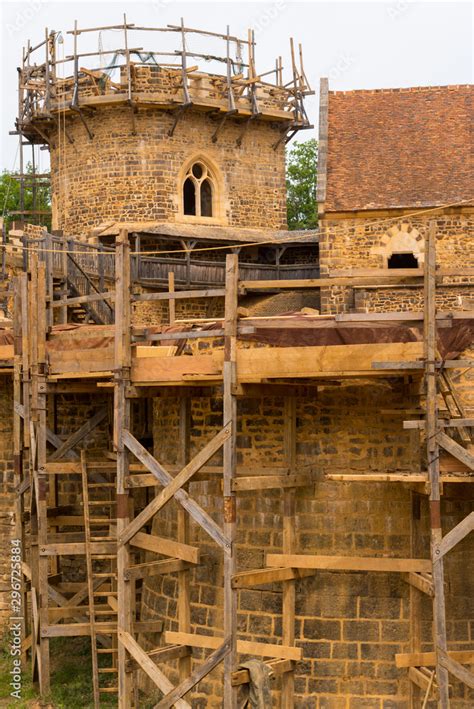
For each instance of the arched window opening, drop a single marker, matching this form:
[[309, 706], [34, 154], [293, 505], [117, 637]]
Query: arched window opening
[[407, 260], [189, 196], [199, 191], [206, 198]]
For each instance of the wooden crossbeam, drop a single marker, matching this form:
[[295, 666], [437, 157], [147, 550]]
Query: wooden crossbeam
[[168, 547], [164, 478], [175, 485], [247, 579], [348, 563], [454, 536], [428, 659], [196, 676], [268, 482], [243, 646], [420, 582], [455, 449], [148, 666], [79, 435], [154, 568]]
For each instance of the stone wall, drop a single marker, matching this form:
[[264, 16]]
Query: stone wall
[[349, 625], [366, 244], [119, 176]]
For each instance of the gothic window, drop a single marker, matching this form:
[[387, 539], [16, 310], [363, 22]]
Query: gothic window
[[199, 191]]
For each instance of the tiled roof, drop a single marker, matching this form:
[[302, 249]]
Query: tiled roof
[[392, 148]]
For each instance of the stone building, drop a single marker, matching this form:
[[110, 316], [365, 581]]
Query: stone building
[[170, 176]]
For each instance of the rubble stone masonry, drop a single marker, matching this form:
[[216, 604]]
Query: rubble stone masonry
[[121, 176]]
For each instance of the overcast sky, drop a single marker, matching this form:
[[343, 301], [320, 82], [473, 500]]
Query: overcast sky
[[356, 44]]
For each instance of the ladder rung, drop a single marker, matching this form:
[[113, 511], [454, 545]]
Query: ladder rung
[[108, 690], [96, 557], [105, 593], [102, 502], [104, 575], [101, 485], [108, 670], [105, 650]]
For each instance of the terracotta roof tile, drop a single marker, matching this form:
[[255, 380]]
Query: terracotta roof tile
[[391, 148]]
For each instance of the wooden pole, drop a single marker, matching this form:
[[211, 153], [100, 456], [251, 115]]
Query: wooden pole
[[289, 587], [122, 422], [230, 464], [184, 577], [439, 611], [171, 301]]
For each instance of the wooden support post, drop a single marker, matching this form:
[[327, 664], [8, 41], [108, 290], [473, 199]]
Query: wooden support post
[[18, 453], [289, 588], [171, 301], [439, 610], [184, 579], [230, 464], [122, 422], [415, 593]]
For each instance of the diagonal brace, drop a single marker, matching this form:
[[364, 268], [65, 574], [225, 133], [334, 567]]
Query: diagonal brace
[[79, 435], [163, 477], [176, 484]]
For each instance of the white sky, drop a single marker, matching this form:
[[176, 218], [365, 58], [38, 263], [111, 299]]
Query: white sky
[[356, 44]]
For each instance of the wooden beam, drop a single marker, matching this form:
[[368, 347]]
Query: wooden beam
[[196, 676], [428, 659], [455, 449], [243, 646], [156, 568], [348, 563], [454, 536], [168, 547], [420, 582], [148, 666], [260, 577], [277, 667], [268, 482], [79, 435]]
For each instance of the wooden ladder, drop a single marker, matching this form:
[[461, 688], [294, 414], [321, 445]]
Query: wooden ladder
[[98, 527], [453, 403]]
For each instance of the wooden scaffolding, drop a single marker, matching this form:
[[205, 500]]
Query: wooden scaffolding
[[114, 526]]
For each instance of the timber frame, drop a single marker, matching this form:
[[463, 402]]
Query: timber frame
[[107, 606]]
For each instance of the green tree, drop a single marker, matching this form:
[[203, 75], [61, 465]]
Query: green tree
[[10, 198], [301, 175]]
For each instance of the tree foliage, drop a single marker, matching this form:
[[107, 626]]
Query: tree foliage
[[301, 175], [10, 198]]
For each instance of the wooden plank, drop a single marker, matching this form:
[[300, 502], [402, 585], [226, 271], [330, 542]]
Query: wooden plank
[[73, 548], [148, 666], [428, 659], [348, 563], [172, 488], [420, 582], [182, 294], [454, 536], [81, 361], [455, 449], [296, 283], [449, 423], [147, 626], [456, 669], [377, 477], [268, 482], [167, 547], [260, 577], [196, 676], [77, 629], [244, 647], [155, 568], [106, 295]]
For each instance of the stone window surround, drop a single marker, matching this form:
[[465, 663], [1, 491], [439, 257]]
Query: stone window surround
[[401, 238], [215, 177]]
